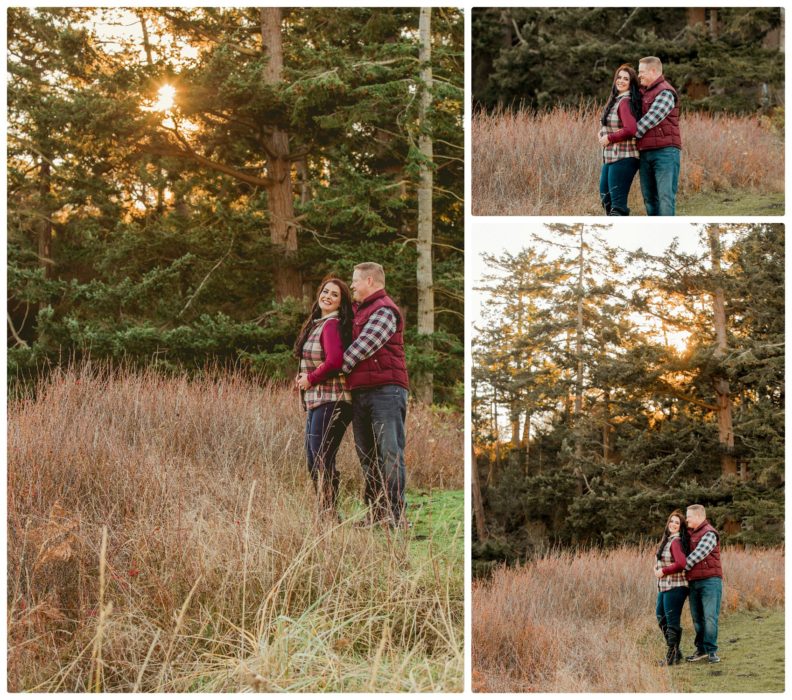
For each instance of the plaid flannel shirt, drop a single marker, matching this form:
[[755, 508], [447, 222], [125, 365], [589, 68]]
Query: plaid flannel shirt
[[382, 324], [669, 581], [621, 149], [702, 550], [313, 355], [660, 109]]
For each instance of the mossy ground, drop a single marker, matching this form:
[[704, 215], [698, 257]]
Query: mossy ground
[[751, 648], [732, 203]]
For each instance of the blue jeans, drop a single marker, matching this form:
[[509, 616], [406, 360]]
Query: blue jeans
[[659, 180], [705, 600], [324, 430], [378, 416], [669, 608], [615, 181]]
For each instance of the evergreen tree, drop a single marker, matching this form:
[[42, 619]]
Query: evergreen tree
[[719, 59], [641, 355], [192, 231]]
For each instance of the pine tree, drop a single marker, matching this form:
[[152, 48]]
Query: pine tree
[[719, 59], [192, 232], [633, 363]]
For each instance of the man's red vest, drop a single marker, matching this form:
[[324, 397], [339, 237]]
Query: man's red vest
[[710, 567], [387, 365], [666, 133]]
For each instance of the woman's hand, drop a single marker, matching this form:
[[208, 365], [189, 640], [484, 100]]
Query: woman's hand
[[659, 573], [302, 381], [604, 140]]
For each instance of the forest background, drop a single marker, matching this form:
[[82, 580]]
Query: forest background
[[180, 181], [540, 77], [611, 385]]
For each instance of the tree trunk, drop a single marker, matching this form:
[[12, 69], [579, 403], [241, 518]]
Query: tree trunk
[[515, 424], [478, 503], [567, 374], [526, 442], [606, 428], [714, 26], [577, 428], [146, 42], [721, 382], [426, 327], [45, 227], [283, 230]]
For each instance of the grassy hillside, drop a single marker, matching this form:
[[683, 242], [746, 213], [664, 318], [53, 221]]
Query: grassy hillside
[[163, 537]]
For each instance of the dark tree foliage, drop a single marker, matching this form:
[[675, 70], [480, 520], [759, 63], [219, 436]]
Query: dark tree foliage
[[647, 371], [725, 59], [141, 233]]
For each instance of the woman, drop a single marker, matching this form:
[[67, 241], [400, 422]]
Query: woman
[[320, 346], [617, 138], [672, 585]]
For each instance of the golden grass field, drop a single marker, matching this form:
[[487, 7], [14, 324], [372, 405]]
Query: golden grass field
[[162, 536], [584, 621], [548, 163]]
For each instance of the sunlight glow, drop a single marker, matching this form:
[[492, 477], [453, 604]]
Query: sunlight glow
[[678, 340], [165, 99]]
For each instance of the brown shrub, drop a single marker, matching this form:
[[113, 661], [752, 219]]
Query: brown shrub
[[548, 163]]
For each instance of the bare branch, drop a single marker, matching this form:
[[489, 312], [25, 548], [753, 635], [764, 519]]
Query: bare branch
[[204, 280], [19, 341]]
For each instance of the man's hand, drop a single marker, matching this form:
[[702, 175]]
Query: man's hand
[[302, 381], [604, 140], [659, 573]]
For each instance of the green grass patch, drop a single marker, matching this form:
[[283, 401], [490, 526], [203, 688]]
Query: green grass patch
[[437, 516], [436, 519], [732, 203], [751, 648]]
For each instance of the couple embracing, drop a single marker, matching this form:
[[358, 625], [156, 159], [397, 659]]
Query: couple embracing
[[353, 370], [639, 133], [688, 564]]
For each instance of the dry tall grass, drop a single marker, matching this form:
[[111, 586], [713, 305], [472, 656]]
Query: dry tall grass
[[548, 163], [575, 622], [214, 573]]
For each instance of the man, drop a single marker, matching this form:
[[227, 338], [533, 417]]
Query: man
[[705, 582], [377, 376], [659, 139]]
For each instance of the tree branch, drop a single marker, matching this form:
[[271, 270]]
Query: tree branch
[[204, 280], [14, 333], [517, 32], [689, 399], [173, 152]]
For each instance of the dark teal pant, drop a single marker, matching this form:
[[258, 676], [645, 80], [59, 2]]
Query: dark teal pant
[[705, 600]]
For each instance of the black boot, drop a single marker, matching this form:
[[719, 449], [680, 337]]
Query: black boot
[[664, 631], [678, 656], [673, 655]]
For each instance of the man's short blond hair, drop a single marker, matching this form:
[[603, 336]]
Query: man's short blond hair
[[653, 62], [696, 508], [373, 270]]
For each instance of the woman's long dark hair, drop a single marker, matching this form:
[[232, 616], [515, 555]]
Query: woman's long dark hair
[[684, 535], [635, 93], [345, 314]]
